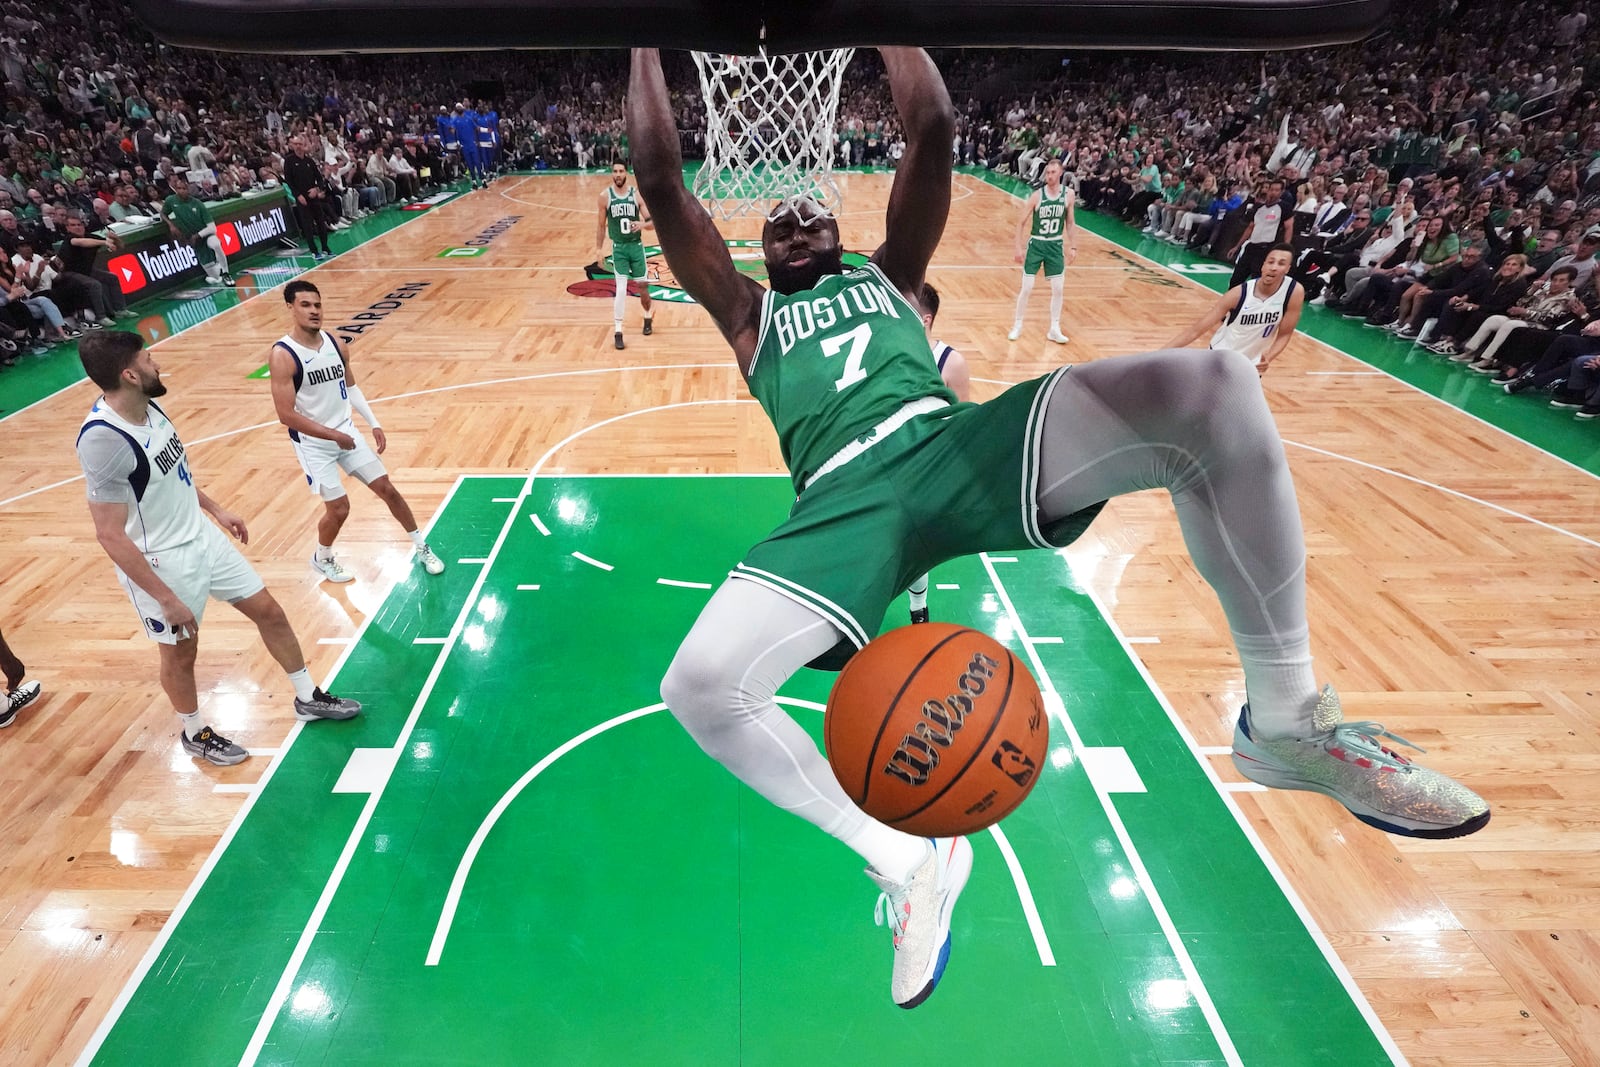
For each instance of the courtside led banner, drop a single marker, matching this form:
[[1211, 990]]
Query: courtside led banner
[[158, 263]]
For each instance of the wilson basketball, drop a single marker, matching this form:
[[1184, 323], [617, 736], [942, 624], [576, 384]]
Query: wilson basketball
[[936, 729]]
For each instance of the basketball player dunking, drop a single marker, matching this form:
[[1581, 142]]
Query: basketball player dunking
[[895, 476], [1047, 237], [1256, 318], [622, 220], [314, 392]]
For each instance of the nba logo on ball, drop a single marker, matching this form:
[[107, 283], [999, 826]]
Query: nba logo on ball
[[937, 730]]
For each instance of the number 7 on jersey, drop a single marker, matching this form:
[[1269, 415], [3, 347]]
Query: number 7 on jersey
[[857, 339]]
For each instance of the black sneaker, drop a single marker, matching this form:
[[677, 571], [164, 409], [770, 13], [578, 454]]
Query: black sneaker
[[19, 698], [213, 748], [1589, 411], [617, 340], [1566, 400], [649, 327], [324, 705], [919, 615]]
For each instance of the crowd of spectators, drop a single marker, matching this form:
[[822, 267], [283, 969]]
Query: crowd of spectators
[[1408, 170]]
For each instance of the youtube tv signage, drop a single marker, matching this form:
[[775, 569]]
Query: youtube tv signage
[[158, 263]]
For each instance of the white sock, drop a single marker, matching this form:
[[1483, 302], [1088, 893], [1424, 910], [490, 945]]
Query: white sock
[[416, 538], [1279, 683], [324, 552], [1022, 297], [895, 855], [919, 593], [303, 686], [1058, 286], [192, 724]]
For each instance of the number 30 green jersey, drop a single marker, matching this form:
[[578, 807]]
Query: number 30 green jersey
[[833, 361]]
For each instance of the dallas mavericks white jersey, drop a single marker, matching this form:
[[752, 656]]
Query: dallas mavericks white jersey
[[319, 390], [941, 354], [1253, 322], [145, 467]]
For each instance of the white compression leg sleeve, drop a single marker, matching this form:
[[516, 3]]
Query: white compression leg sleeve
[[619, 304], [1023, 294], [1058, 286], [746, 643], [1197, 424]]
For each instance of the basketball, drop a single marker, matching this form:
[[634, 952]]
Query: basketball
[[936, 729]]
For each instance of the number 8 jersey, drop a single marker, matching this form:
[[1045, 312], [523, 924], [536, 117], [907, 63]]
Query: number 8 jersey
[[319, 389], [833, 361]]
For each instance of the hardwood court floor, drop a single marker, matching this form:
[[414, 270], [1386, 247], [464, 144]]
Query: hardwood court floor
[[1453, 583]]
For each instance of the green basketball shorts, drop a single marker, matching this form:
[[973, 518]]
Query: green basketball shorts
[[1046, 254], [953, 482], [627, 260]]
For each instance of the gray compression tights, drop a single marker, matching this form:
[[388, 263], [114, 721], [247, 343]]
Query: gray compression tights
[[1192, 422]]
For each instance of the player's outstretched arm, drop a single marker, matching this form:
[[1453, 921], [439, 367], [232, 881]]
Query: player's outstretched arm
[[689, 239], [919, 201], [1208, 321]]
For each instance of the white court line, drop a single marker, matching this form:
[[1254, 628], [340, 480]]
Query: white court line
[[472, 560], [1348, 373], [1215, 750], [1001, 559], [947, 585], [1144, 640], [226, 787], [538, 524], [1046, 640], [1267, 859], [336, 640], [430, 640], [262, 751], [503, 500], [1445, 489], [458, 881], [1180, 952], [527, 588], [683, 585], [591, 561], [153, 953], [1243, 787], [1030, 910], [291, 970]]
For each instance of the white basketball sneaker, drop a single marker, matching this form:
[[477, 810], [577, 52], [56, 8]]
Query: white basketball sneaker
[[330, 569], [430, 561], [1056, 335], [918, 912], [1016, 331]]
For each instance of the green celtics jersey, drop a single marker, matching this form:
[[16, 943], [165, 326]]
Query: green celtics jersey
[[190, 215], [833, 361], [622, 217], [1050, 216]]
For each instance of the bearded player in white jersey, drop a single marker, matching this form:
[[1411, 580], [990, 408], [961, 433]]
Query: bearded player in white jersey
[[147, 515], [314, 393]]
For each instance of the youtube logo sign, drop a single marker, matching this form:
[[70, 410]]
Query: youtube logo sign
[[228, 237], [129, 275]]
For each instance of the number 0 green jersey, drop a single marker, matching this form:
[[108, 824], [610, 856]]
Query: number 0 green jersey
[[1050, 216], [833, 361], [622, 217]]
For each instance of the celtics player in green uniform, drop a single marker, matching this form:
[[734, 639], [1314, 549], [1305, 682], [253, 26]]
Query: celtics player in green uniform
[[1047, 236], [894, 476], [622, 219], [189, 222]]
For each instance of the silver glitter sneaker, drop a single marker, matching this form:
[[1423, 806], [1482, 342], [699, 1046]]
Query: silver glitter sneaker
[[1349, 762], [918, 912]]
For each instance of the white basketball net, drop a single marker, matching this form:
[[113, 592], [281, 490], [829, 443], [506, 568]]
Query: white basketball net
[[770, 130]]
